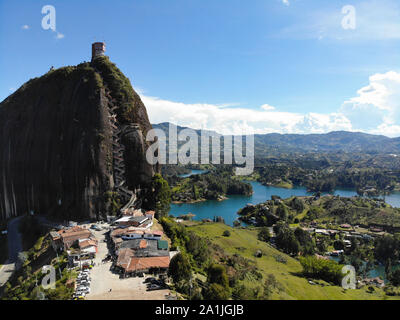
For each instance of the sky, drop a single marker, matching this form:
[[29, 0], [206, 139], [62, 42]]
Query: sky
[[233, 66]]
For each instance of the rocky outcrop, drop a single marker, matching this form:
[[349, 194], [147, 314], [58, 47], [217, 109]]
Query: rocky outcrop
[[56, 142]]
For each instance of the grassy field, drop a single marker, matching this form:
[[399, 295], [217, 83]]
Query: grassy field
[[245, 243]]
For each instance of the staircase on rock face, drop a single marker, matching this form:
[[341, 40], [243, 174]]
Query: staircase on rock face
[[127, 196]]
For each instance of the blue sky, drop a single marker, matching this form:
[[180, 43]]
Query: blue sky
[[226, 65]]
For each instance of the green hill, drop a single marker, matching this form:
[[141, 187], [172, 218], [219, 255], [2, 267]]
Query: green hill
[[244, 242], [343, 141]]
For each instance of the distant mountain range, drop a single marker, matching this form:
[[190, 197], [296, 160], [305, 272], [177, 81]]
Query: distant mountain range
[[336, 141]]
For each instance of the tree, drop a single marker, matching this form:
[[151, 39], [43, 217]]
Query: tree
[[216, 292], [307, 246], [387, 247], [226, 233], [388, 268], [243, 292], [270, 285], [282, 212], [286, 241], [338, 245], [198, 248], [161, 195], [217, 274], [217, 279], [264, 234], [395, 278], [297, 204], [327, 270], [179, 268]]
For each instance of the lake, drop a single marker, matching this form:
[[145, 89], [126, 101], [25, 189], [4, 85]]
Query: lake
[[377, 270], [228, 208], [192, 173]]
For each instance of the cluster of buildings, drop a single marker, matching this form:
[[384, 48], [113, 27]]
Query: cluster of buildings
[[77, 241], [137, 251], [135, 247], [136, 218], [347, 234], [377, 282]]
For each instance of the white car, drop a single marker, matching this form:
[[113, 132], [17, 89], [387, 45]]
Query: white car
[[84, 283], [80, 294], [84, 279], [83, 289]]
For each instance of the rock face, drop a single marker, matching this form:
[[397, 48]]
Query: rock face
[[56, 142]]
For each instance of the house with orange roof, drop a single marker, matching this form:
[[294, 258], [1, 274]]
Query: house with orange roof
[[78, 242]]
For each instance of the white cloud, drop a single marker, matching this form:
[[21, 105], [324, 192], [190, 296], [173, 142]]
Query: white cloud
[[286, 2], [230, 120], [59, 35], [267, 107], [25, 27], [375, 109]]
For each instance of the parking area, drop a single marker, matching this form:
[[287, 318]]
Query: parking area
[[106, 285]]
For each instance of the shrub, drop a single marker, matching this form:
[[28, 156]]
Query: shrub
[[280, 258], [226, 233], [179, 268], [327, 270], [217, 274], [216, 292], [264, 234]]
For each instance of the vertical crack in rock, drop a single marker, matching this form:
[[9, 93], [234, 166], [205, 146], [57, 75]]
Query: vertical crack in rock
[[69, 137]]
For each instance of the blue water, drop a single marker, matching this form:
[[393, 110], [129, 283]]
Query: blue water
[[393, 199], [228, 208], [192, 173], [377, 271]]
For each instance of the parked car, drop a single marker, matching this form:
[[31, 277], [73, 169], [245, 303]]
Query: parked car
[[80, 294], [153, 287], [158, 282], [83, 275], [149, 280], [84, 289], [84, 280], [140, 274]]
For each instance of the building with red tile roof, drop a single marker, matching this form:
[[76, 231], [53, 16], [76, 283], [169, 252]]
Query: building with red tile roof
[[146, 264]]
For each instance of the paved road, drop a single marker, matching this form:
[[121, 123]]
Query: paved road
[[14, 248]]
